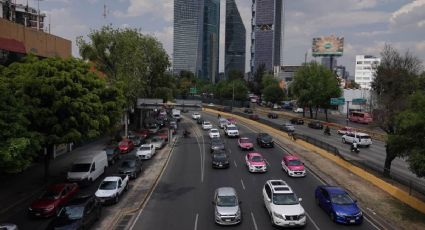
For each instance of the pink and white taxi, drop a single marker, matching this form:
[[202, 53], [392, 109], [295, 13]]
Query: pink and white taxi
[[245, 143], [293, 166], [255, 162]]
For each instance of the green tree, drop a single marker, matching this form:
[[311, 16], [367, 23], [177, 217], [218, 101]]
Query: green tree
[[313, 86], [407, 140], [164, 93], [235, 74], [395, 80], [273, 93], [267, 80], [18, 145], [258, 78], [65, 101]]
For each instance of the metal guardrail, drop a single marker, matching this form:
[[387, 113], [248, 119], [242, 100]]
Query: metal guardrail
[[412, 186]]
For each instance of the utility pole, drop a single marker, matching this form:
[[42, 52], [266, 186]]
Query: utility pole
[[233, 93]]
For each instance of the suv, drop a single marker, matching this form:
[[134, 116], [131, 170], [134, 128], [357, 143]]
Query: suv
[[231, 130], [283, 205], [196, 116], [222, 122], [79, 213], [226, 206], [362, 139]]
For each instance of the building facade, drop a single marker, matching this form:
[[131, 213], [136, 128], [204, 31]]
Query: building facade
[[235, 40], [267, 26], [187, 43], [366, 66], [22, 14], [210, 40]]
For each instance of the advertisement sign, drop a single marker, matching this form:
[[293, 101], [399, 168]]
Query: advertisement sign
[[327, 46]]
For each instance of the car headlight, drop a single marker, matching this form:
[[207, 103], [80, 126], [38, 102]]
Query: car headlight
[[302, 215], [360, 213], [217, 214], [238, 213], [339, 213], [277, 215]]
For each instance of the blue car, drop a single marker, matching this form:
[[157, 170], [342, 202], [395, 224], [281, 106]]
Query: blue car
[[338, 204]]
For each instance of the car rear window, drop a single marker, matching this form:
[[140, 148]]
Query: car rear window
[[365, 137]]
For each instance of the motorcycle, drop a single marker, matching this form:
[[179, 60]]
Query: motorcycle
[[327, 132], [355, 149]]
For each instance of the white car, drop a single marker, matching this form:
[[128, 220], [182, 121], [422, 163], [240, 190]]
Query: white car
[[196, 116], [206, 125], [283, 205], [231, 130], [111, 188], [146, 151], [298, 110], [214, 133], [222, 122], [362, 139]]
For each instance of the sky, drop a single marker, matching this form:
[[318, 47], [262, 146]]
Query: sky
[[366, 25]]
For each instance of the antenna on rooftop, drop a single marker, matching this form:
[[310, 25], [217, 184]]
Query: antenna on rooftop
[[105, 10]]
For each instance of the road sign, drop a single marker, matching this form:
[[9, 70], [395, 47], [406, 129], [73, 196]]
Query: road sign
[[193, 90], [358, 101], [337, 101], [149, 103]]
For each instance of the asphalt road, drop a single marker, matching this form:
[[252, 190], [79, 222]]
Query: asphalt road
[[183, 196], [24, 221], [374, 156]]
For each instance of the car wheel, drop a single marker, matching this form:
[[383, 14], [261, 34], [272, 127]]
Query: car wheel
[[271, 220], [116, 199], [317, 201], [126, 187], [343, 140], [332, 216], [98, 214]]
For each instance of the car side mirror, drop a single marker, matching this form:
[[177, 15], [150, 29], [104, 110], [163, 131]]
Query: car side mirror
[[269, 200], [300, 199]]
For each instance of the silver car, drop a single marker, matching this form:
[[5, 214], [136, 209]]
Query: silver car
[[288, 127], [226, 206]]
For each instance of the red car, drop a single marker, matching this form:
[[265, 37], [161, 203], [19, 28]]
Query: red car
[[126, 146], [254, 117], [293, 166], [144, 133], [163, 133], [56, 196], [245, 143]]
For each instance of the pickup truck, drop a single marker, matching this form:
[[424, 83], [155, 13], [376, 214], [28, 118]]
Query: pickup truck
[[111, 188]]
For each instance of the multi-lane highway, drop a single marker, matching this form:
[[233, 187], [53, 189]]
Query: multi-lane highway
[[374, 156], [183, 197]]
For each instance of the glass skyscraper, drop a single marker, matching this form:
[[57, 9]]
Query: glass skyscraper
[[210, 40], [235, 40], [196, 37], [187, 43], [267, 34]]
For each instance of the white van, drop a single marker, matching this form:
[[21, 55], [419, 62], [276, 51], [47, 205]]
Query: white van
[[176, 114], [88, 168]]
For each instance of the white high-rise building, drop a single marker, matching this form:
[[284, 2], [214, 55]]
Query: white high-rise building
[[366, 66]]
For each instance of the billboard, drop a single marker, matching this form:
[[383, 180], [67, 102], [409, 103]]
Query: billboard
[[327, 46]]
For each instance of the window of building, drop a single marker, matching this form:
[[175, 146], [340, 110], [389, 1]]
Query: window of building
[[359, 62]]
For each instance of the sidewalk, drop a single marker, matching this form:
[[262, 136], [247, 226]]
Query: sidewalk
[[17, 189]]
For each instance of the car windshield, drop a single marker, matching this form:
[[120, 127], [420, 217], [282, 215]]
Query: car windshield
[[108, 185], [156, 139], [220, 156], [128, 164], [72, 212], [257, 159], [245, 140], [123, 143], [341, 199], [227, 201], [80, 168], [214, 131], [207, 123], [285, 199], [294, 162], [364, 137], [232, 128], [145, 148], [51, 195], [266, 137]]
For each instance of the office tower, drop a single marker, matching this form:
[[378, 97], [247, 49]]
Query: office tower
[[187, 42], [235, 40], [366, 66], [267, 34], [210, 40]]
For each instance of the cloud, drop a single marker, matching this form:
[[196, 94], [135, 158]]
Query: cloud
[[162, 9], [408, 15], [165, 36], [420, 46]]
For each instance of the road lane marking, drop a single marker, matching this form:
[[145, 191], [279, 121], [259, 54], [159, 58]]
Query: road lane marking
[[253, 221], [234, 162], [312, 221], [243, 186], [230, 150], [196, 221]]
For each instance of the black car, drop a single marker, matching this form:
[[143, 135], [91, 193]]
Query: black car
[[297, 121], [265, 140], [200, 121], [131, 166], [254, 117], [79, 213], [315, 125], [220, 159], [113, 154], [216, 144], [272, 115], [248, 111]]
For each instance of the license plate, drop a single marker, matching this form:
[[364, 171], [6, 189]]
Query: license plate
[[37, 214], [291, 223], [227, 220], [220, 165], [352, 221]]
